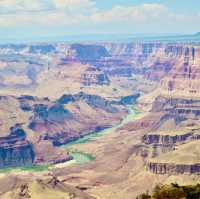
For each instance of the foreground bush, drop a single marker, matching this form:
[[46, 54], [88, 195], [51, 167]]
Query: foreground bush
[[173, 191]]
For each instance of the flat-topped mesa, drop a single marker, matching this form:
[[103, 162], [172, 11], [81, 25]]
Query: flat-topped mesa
[[15, 150], [89, 53]]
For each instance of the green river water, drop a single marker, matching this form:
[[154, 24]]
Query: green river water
[[80, 157]]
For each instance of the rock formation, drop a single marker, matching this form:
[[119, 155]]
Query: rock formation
[[15, 149], [173, 169], [83, 88], [40, 125]]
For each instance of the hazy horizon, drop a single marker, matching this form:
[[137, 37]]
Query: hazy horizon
[[20, 20], [103, 38]]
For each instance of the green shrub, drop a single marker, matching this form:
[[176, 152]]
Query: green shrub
[[144, 196], [173, 191]]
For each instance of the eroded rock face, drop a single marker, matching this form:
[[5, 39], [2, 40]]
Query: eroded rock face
[[47, 119], [159, 144], [173, 169], [55, 113], [62, 125], [15, 149], [166, 139], [177, 105], [66, 129], [95, 77], [46, 124], [174, 68], [184, 75]]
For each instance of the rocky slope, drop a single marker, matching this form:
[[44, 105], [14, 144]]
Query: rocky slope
[[52, 188], [73, 116], [39, 126]]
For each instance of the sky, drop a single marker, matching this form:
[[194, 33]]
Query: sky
[[51, 18]]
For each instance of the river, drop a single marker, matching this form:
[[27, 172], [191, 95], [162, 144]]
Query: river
[[81, 157]]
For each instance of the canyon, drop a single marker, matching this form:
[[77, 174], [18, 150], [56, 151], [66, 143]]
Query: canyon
[[55, 95]]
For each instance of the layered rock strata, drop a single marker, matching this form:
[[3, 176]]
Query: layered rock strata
[[15, 149]]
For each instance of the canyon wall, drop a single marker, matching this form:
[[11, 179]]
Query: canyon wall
[[15, 149]]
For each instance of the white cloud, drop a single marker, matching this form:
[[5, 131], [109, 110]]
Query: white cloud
[[66, 13], [138, 14], [46, 12], [81, 6], [74, 11], [19, 6]]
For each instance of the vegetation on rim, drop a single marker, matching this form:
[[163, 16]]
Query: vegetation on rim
[[173, 191]]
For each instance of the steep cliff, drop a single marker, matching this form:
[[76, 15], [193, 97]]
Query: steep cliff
[[171, 123], [166, 139], [173, 168], [183, 160], [15, 149]]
